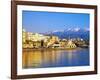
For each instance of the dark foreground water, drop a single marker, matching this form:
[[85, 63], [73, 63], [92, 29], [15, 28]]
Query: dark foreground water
[[55, 58]]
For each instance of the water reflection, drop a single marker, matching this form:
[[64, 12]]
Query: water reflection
[[55, 58]]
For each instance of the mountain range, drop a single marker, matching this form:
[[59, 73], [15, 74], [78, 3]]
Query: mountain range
[[71, 32]]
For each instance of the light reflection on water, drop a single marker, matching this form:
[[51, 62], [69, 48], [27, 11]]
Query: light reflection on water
[[55, 58]]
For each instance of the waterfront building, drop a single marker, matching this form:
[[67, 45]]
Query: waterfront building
[[40, 40], [29, 36], [24, 35], [36, 44], [56, 45], [79, 42], [53, 40], [34, 40], [36, 37], [63, 43], [25, 45], [30, 45], [70, 44]]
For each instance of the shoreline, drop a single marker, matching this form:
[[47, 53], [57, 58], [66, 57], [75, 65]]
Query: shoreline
[[29, 49]]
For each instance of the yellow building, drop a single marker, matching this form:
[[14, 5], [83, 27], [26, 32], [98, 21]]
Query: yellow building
[[36, 40], [52, 40], [24, 35], [63, 43], [36, 36], [29, 36], [36, 44], [70, 44]]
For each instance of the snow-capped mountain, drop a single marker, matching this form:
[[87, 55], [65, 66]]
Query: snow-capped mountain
[[71, 32], [76, 29], [72, 29]]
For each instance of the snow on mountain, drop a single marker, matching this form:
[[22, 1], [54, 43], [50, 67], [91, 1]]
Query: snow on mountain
[[72, 32], [76, 29], [72, 29]]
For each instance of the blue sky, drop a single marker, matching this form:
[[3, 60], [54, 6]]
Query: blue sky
[[40, 22]]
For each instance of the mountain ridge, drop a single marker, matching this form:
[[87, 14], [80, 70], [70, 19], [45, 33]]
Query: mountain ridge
[[71, 32]]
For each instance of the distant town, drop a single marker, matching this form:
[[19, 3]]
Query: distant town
[[40, 41]]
